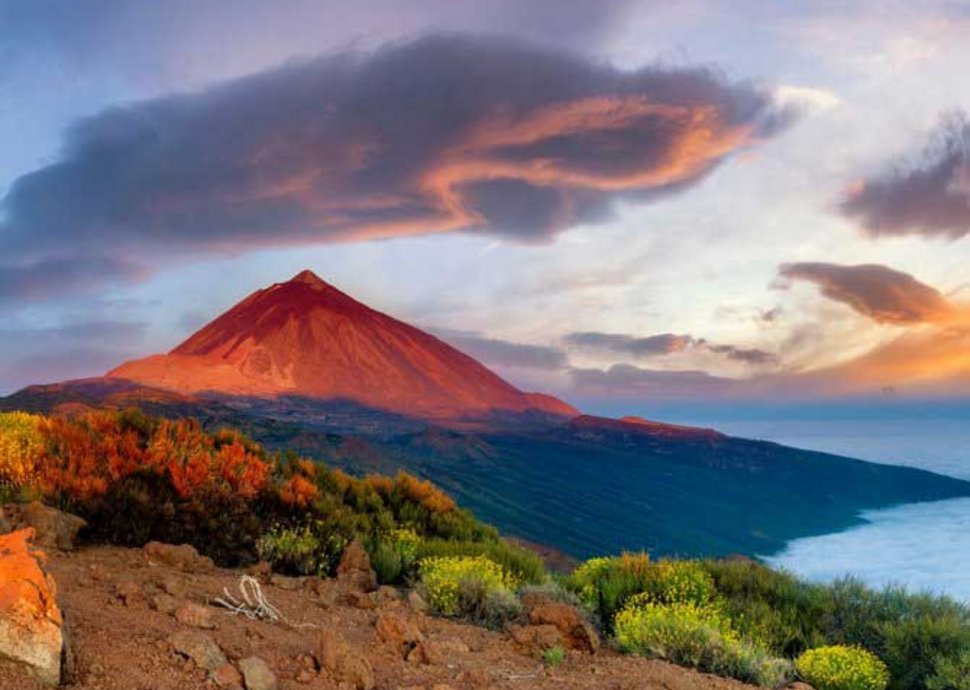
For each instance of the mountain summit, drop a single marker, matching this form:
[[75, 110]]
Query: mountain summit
[[305, 337]]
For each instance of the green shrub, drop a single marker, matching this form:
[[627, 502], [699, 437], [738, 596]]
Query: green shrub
[[444, 579], [840, 667], [308, 549], [554, 656], [524, 565], [387, 563], [788, 616], [480, 602], [950, 673], [605, 584], [551, 590]]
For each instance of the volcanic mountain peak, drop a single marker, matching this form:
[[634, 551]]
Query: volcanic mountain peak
[[305, 337]]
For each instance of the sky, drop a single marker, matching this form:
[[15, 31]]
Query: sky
[[610, 200]]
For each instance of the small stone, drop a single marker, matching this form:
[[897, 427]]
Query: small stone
[[173, 586], [198, 647], [195, 615], [182, 557], [165, 603], [261, 570], [417, 602], [305, 676], [130, 593], [226, 676], [256, 674]]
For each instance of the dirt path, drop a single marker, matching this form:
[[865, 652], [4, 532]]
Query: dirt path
[[118, 606]]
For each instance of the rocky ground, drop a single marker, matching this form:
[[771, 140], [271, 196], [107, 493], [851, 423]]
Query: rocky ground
[[144, 619]]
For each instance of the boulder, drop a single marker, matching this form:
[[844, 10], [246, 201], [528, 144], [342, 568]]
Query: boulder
[[437, 652], [53, 529], [576, 630], [256, 674], [354, 570], [182, 557], [536, 638], [200, 648], [345, 664], [32, 630], [397, 631]]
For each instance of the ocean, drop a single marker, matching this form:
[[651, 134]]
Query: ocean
[[923, 546]]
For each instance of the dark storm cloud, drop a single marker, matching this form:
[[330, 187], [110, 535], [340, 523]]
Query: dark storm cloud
[[881, 293], [663, 344], [625, 381], [446, 133], [497, 352], [930, 197]]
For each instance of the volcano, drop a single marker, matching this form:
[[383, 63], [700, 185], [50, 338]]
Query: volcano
[[306, 338]]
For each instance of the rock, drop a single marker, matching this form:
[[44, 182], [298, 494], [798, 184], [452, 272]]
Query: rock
[[344, 664], [536, 638], [397, 631], [437, 652], [53, 528], [32, 630], [173, 586], [288, 583], [182, 557], [165, 603], [576, 631], [226, 676], [200, 648], [195, 615], [359, 600], [130, 593], [386, 595], [261, 570], [417, 602], [354, 569], [256, 674]]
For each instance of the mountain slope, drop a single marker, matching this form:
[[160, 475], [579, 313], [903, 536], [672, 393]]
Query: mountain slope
[[305, 337]]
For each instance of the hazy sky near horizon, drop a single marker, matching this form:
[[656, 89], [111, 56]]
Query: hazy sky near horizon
[[606, 199]]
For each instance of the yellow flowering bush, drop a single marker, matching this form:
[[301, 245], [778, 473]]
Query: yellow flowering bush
[[443, 579], [697, 635], [842, 668], [673, 582], [20, 444], [406, 542]]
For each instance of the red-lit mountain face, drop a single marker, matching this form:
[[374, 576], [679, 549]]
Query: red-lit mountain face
[[305, 337]]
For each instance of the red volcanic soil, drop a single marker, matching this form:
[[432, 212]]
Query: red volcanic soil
[[305, 337]]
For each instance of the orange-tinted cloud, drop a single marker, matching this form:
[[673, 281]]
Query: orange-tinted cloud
[[881, 293], [446, 133]]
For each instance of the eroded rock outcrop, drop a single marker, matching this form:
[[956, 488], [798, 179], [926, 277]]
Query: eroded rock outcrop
[[32, 630]]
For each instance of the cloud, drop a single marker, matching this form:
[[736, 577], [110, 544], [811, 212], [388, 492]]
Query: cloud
[[445, 133], [497, 352], [628, 382], [878, 292], [929, 197], [45, 277], [663, 344]]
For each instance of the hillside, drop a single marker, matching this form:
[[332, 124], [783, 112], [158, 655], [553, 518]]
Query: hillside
[[613, 485]]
